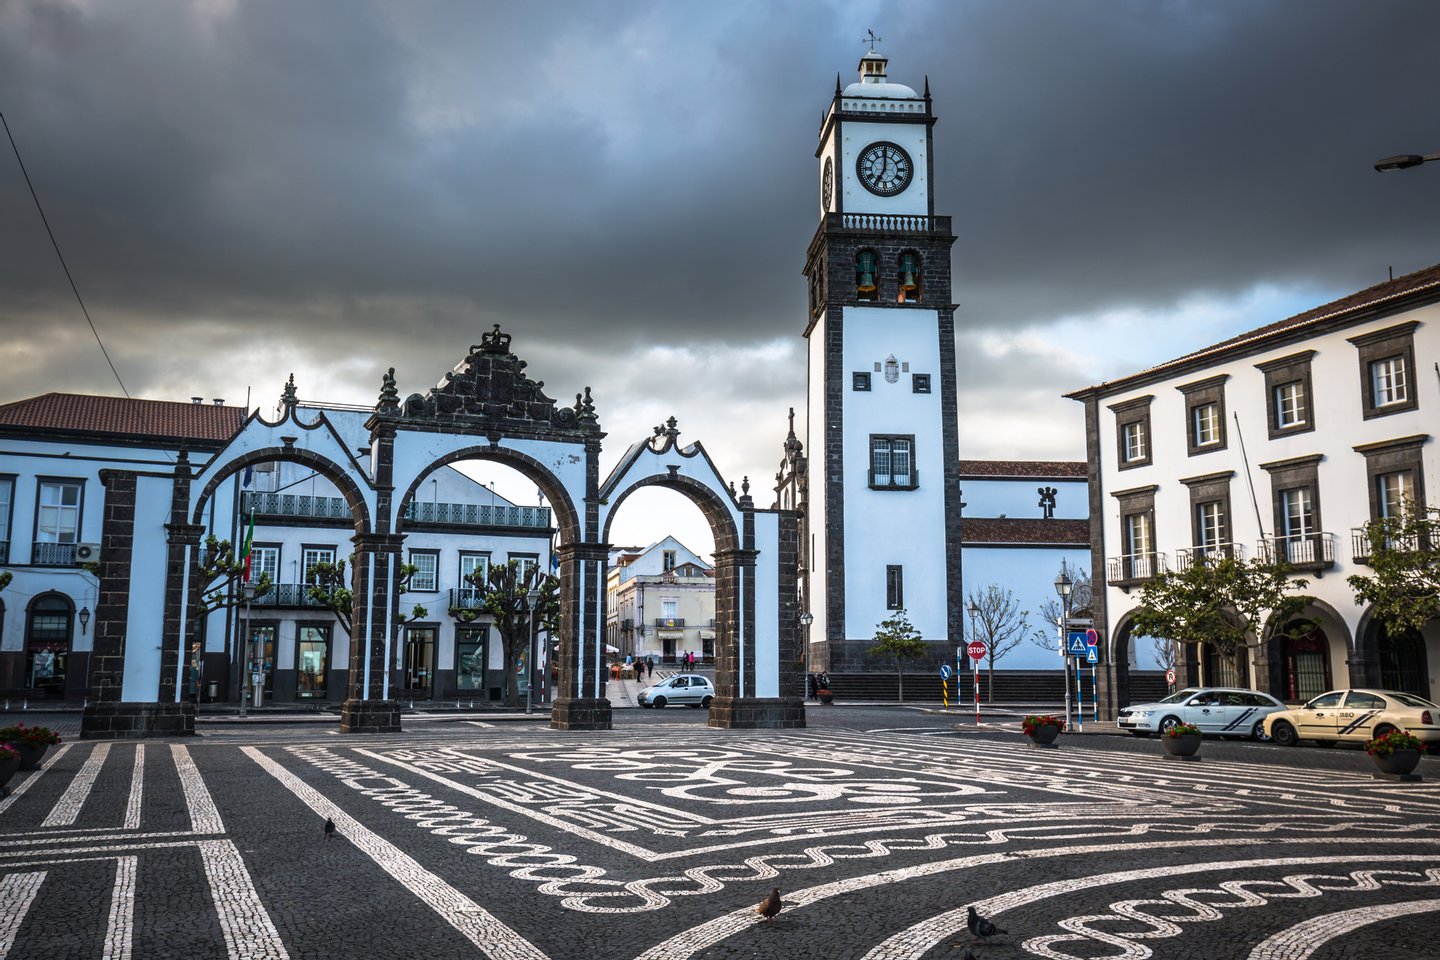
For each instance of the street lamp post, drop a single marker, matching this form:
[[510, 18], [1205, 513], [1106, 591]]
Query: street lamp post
[[1405, 161], [248, 590], [1063, 586], [806, 619], [533, 598], [974, 610]]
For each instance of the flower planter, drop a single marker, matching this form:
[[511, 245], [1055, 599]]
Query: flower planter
[[1184, 747], [1044, 736], [8, 769], [30, 757], [1400, 763], [825, 697]]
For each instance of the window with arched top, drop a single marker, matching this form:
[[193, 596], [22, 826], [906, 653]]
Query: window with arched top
[[866, 275], [909, 276], [48, 632]]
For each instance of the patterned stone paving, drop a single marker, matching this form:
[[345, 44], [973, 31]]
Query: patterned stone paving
[[654, 841]]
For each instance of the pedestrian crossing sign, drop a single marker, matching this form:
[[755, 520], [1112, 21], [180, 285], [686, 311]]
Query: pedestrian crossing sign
[[1077, 646], [1092, 655]]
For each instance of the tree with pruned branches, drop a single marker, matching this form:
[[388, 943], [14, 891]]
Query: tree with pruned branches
[[996, 617], [330, 586]]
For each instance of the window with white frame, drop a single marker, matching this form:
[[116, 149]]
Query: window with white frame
[[892, 462], [1394, 490], [1139, 538], [669, 608], [1135, 441], [894, 586], [1209, 525], [1297, 509], [57, 518], [310, 556], [427, 571], [667, 560], [1291, 408], [264, 560], [1388, 381], [473, 563], [7, 497], [524, 564], [1207, 424]]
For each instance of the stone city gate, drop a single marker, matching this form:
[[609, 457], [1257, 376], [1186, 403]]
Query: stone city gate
[[484, 409]]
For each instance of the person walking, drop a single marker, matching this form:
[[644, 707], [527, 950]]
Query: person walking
[[650, 665]]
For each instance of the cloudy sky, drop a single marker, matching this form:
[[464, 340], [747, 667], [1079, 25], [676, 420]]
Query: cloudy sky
[[245, 189]]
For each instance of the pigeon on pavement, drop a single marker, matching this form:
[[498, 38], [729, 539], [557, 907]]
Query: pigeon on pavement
[[980, 927], [329, 828], [770, 906]]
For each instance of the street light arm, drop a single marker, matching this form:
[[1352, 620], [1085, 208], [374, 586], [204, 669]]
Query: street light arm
[[1405, 161]]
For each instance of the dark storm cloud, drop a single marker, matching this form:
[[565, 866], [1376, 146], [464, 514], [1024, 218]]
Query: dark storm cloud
[[339, 188]]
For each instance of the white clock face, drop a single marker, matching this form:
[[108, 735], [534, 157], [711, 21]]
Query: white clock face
[[827, 185], [884, 168]]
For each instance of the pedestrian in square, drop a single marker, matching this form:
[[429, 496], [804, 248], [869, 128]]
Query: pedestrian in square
[[650, 665]]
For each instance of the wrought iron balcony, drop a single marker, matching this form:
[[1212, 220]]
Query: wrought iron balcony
[[286, 595], [1305, 551], [478, 515], [1131, 569], [670, 623], [1362, 542], [1188, 556], [52, 554], [293, 505], [467, 598]]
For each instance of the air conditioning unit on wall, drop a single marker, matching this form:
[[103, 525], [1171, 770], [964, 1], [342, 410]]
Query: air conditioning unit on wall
[[87, 553]]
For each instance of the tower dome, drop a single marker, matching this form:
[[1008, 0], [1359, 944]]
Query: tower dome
[[873, 82]]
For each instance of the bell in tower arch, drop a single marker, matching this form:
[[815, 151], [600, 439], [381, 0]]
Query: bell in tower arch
[[865, 274], [909, 277]]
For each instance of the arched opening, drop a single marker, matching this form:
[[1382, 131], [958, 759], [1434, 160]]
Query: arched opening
[[1403, 664], [49, 632], [909, 277], [295, 510], [671, 577], [1221, 671], [1301, 662], [867, 276], [480, 529]]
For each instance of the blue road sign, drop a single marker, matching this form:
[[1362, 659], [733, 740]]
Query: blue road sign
[[944, 671], [1092, 655], [1077, 645]]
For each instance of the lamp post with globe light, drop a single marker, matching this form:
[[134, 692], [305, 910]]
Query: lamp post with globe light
[[1063, 587]]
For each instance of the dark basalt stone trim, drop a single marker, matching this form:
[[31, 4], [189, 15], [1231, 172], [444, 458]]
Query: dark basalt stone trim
[[573, 713], [950, 440], [136, 721], [757, 713], [370, 716]]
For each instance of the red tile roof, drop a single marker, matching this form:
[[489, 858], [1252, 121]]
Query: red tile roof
[[70, 413], [1026, 530], [1029, 469], [1374, 298]]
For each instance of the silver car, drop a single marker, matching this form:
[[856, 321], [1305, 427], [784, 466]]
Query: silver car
[[691, 689], [1228, 711]]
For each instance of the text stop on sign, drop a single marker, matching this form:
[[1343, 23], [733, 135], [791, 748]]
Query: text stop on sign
[[976, 649]]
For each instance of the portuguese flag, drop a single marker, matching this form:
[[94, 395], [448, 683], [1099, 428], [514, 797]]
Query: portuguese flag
[[247, 545]]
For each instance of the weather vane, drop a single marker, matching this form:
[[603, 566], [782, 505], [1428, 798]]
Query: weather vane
[[871, 39]]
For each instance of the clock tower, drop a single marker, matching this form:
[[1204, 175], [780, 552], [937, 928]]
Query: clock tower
[[882, 529]]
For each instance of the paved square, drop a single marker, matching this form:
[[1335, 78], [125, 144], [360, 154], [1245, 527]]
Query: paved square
[[656, 840]]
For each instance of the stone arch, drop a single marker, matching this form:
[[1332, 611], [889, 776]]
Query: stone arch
[[1121, 639], [1298, 664], [48, 643], [322, 465], [1393, 663], [722, 525], [569, 528]]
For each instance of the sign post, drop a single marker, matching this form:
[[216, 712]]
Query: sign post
[[945, 685], [977, 651], [1092, 657]]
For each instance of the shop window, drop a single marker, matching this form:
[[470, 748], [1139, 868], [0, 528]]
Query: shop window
[[312, 661]]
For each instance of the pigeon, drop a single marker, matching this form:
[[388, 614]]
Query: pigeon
[[329, 828], [980, 927], [770, 906]]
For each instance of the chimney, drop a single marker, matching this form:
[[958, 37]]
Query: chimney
[[219, 401], [197, 399]]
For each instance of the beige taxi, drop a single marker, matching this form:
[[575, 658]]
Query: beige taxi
[[1355, 716]]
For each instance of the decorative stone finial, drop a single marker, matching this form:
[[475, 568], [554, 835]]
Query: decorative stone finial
[[495, 341], [745, 485], [288, 398], [587, 408], [389, 396]]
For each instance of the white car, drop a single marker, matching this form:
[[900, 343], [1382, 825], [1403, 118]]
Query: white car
[[1228, 711], [691, 689]]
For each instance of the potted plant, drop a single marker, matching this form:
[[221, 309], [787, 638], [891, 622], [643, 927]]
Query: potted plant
[[1042, 729], [9, 763], [30, 742], [1396, 753], [825, 695], [1182, 740]]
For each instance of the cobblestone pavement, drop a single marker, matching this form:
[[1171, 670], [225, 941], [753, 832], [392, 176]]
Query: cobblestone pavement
[[655, 840]]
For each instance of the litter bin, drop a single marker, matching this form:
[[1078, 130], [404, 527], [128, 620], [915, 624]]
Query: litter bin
[[214, 686]]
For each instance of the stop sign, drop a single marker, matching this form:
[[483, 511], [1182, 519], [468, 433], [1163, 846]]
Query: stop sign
[[976, 649]]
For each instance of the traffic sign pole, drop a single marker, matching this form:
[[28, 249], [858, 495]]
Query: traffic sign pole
[[977, 650]]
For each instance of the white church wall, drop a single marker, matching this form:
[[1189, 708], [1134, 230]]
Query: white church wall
[[145, 611], [816, 500], [767, 605]]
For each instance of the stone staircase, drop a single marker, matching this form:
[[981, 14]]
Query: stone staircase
[[1011, 686]]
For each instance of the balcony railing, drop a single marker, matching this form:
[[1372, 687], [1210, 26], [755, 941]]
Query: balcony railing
[[1305, 550], [467, 598], [670, 623], [286, 595], [1135, 568], [478, 514], [294, 505], [889, 223], [52, 554], [1361, 548], [1187, 556]]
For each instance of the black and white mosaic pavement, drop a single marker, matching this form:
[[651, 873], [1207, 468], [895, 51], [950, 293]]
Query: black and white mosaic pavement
[[655, 840]]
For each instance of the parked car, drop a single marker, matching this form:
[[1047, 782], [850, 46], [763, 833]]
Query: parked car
[[1355, 716], [1228, 711], [690, 689]]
